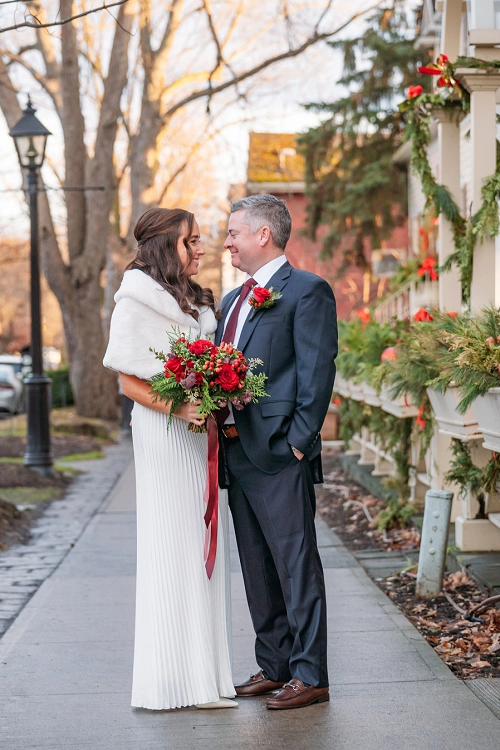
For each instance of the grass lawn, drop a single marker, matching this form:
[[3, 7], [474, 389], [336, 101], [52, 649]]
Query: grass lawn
[[82, 456], [30, 495]]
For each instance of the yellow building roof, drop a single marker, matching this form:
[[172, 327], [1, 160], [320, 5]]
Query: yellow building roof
[[273, 157]]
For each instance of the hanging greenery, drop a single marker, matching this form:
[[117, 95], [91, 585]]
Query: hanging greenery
[[418, 110], [431, 351], [472, 478]]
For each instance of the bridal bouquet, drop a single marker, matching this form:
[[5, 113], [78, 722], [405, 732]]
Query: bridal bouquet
[[197, 369]]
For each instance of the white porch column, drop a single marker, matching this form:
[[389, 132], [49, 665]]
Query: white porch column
[[482, 87], [450, 28], [450, 288]]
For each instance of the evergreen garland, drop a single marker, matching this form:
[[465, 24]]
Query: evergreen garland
[[485, 222]]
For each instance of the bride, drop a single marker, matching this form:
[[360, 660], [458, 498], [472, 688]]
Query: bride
[[182, 627]]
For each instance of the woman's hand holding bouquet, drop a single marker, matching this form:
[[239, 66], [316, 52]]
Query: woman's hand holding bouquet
[[197, 373]]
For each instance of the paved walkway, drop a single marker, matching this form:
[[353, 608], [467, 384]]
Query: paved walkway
[[66, 661]]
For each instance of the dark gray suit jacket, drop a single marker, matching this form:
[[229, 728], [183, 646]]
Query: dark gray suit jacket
[[297, 341]]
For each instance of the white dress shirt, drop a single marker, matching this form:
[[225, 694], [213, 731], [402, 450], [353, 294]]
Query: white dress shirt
[[262, 277]]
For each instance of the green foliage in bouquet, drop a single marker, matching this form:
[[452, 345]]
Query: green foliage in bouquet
[[196, 369]]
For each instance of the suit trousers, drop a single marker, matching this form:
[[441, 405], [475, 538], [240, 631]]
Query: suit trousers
[[274, 523]]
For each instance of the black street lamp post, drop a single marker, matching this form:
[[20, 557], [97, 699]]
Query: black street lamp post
[[30, 137]]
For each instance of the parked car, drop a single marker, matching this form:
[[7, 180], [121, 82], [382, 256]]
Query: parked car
[[22, 365], [11, 390]]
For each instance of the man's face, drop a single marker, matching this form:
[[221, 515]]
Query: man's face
[[245, 246]]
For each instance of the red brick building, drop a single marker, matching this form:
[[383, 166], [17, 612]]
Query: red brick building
[[276, 167]]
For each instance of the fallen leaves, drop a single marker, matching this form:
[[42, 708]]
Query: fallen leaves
[[350, 510], [470, 649], [455, 580]]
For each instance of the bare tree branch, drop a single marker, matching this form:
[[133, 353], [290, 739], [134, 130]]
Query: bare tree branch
[[38, 25], [73, 126], [314, 39], [220, 57], [39, 77], [52, 261]]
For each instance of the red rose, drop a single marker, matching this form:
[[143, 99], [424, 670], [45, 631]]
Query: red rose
[[175, 367], [414, 91], [227, 378], [260, 294], [200, 346], [422, 316]]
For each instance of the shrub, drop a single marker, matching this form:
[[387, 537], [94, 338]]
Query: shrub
[[62, 395]]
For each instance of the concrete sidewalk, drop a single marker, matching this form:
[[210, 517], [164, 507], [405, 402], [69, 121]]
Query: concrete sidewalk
[[66, 665]]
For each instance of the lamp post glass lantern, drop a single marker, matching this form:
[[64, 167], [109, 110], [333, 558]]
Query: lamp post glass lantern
[[30, 138]]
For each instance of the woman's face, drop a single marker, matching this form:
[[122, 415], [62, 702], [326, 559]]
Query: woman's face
[[194, 244]]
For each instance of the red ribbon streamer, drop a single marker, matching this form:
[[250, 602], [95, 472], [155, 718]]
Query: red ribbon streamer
[[212, 496]]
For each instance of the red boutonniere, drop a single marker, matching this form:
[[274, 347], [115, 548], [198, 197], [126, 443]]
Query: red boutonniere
[[261, 298]]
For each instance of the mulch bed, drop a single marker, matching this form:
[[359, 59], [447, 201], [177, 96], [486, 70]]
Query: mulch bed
[[62, 445], [346, 508], [18, 475], [470, 649], [14, 525]]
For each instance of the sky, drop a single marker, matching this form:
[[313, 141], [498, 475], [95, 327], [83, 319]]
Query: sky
[[274, 105]]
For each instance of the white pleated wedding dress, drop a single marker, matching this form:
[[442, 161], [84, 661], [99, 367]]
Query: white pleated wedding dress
[[182, 627]]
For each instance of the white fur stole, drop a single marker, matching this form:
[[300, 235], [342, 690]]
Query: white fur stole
[[143, 315]]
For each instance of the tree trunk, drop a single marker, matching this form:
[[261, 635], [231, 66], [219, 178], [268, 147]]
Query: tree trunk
[[96, 386]]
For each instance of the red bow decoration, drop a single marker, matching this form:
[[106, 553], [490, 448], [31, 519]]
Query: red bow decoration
[[364, 315], [414, 91], [428, 266], [422, 316], [420, 420], [444, 70]]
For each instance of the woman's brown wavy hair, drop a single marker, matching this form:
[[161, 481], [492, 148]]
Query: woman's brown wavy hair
[[157, 233]]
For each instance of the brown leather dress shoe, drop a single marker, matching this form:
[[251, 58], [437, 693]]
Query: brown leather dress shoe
[[296, 695], [257, 684]]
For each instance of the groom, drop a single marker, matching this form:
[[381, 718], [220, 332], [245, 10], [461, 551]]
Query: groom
[[271, 452]]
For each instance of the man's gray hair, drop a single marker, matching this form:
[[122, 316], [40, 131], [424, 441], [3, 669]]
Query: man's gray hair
[[266, 211]]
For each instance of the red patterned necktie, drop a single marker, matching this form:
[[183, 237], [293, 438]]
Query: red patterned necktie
[[232, 323], [229, 333]]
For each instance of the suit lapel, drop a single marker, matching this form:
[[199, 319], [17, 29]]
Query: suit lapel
[[278, 283], [222, 322]]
